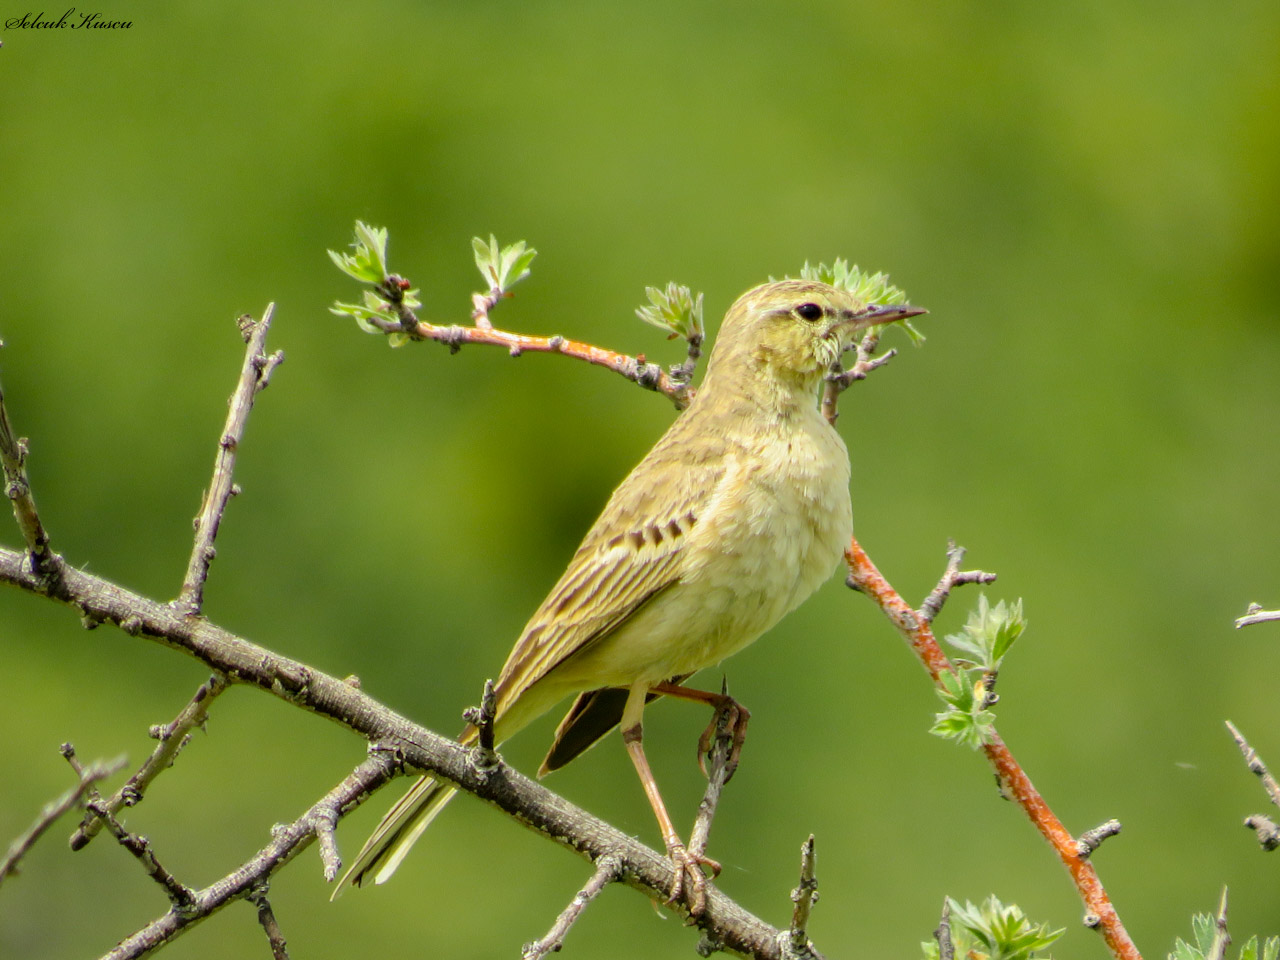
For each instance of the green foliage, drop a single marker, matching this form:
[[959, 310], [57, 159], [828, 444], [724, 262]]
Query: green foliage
[[502, 267], [675, 310], [369, 262], [867, 287], [379, 311], [1205, 931], [967, 718], [989, 633], [996, 931], [985, 640]]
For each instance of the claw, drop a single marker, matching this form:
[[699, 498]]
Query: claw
[[690, 865], [734, 717]]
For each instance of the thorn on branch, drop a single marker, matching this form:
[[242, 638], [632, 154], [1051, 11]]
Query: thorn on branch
[[1221, 938], [608, 869], [795, 942], [172, 737], [13, 462], [1255, 764], [483, 757], [952, 577], [52, 811], [946, 947], [326, 822], [255, 371], [1265, 830], [1090, 840]]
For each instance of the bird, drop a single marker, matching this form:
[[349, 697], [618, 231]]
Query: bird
[[737, 514]]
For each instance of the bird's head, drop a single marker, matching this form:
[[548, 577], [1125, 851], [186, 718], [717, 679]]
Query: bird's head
[[787, 333]]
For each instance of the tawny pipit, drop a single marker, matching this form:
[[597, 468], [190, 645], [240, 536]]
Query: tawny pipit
[[734, 517]]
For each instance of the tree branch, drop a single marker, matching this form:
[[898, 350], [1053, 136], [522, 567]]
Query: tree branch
[[13, 459], [254, 376], [173, 737], [53, 810], [525, 800], [607, 871], [651, 376], [249, 879], [1014, 783]]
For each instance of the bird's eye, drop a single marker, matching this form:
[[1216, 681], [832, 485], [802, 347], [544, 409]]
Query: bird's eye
[[809, 311]]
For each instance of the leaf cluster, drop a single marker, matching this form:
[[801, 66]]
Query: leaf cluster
[[676, 310], [984, 641], [994, 931]]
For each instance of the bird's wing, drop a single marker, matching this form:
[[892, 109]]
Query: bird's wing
[[633, 552]]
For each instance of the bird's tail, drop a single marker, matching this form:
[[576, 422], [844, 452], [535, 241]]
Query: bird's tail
[[397, 833]]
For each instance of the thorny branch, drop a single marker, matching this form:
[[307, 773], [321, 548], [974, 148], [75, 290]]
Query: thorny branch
[[839, 379], [53, 810], [254, 376], [796, 945], [525, 800], [399, 742], [172, 738], [13, 460], [286, 843], [608, 869], [1015, 785], [1264, 827]]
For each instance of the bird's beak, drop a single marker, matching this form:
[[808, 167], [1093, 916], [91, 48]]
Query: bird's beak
[[877, 313], [872, 315]]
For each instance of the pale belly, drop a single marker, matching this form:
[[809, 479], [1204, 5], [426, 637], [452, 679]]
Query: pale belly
[[775, 535]]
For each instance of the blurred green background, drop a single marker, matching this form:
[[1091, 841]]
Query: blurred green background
[[1084, 195]]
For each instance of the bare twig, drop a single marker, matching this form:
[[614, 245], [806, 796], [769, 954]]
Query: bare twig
[[636, 369], [1255, 764], [13, 459], [1014, 783], [946, 946], [179, 894], [267, 918], [173, 737], [1255, 614], [1221, 938], [1264, 828], [796, 944], [286, 843], [953, 577], [482, 718], [51, 811], [526, 801], [839, 379], [254, 376], [608, 869], [1092, 839]]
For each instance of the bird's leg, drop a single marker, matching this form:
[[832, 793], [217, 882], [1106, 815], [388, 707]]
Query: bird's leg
[[687, 866], [736, 719]]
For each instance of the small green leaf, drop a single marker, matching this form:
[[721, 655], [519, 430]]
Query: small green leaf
[[675, 310], [502, 267], [368, 262]]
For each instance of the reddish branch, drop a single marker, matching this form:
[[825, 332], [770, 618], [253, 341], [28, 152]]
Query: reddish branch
[[1014, 782], [636, 369]]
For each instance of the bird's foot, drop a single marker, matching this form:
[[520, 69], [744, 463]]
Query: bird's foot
[[730, 720], [690, 883]]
